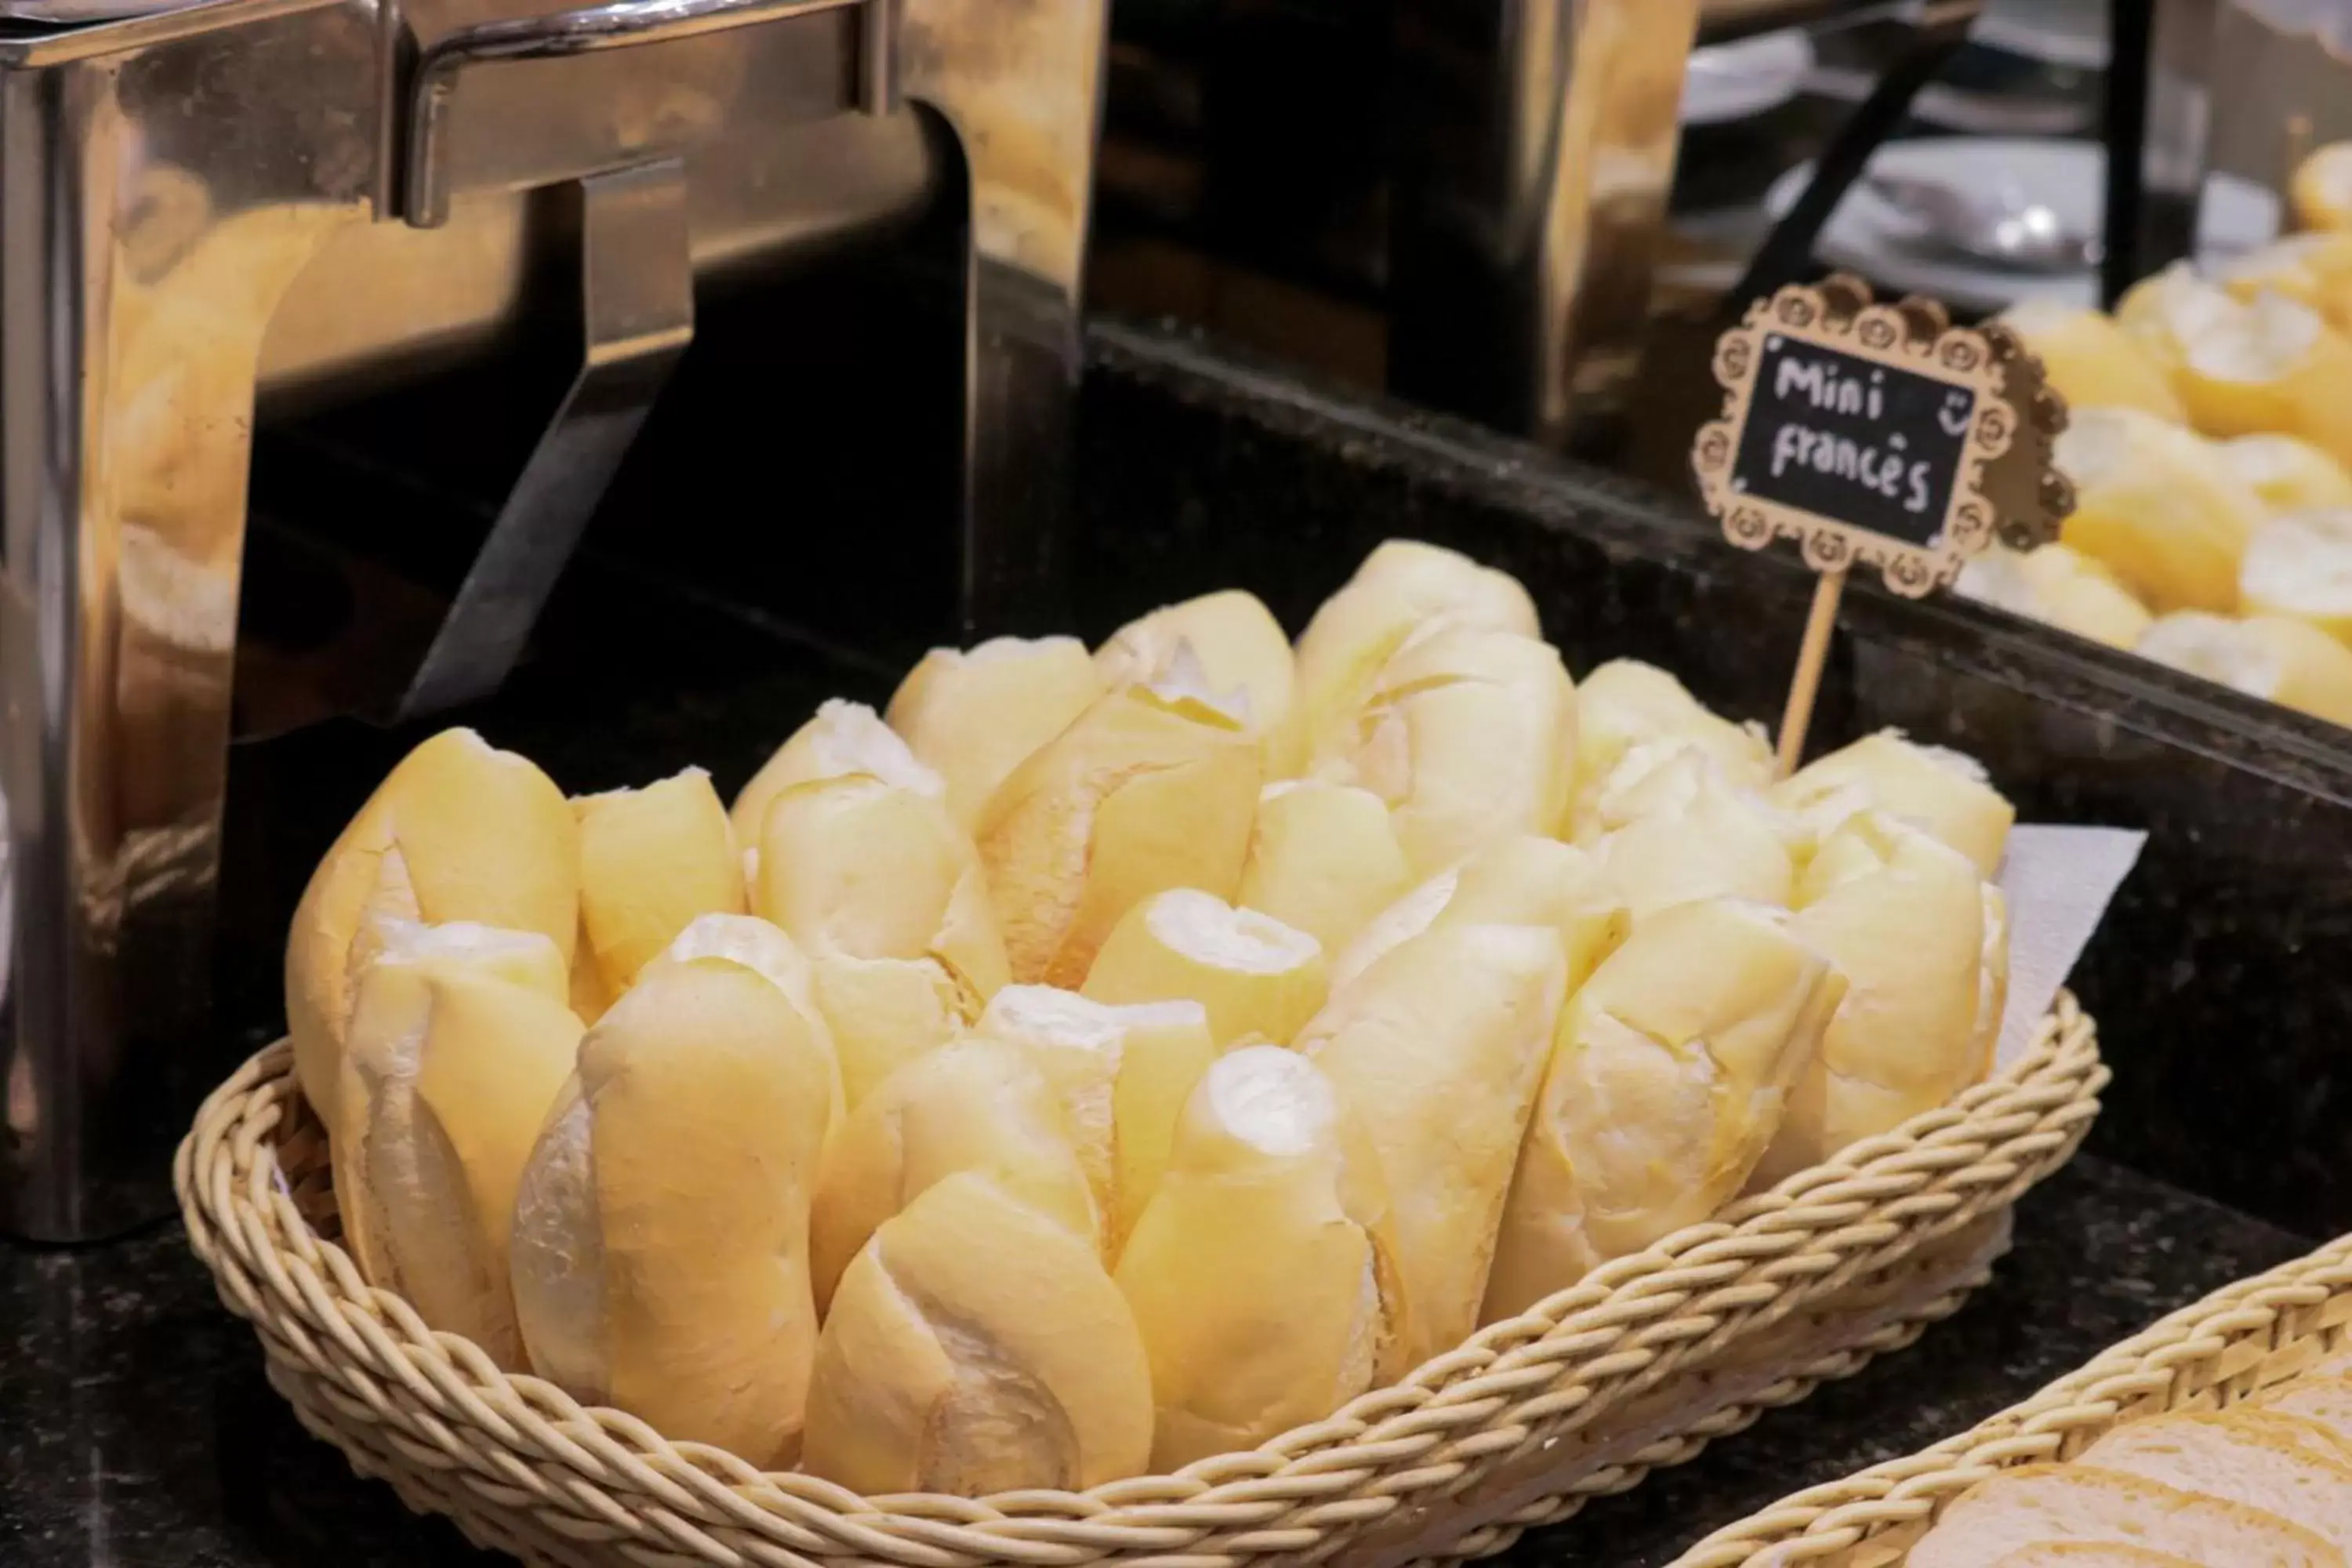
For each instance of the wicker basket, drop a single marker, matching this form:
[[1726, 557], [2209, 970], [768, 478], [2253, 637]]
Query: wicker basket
[[2234, 1343], [1512, 1429]]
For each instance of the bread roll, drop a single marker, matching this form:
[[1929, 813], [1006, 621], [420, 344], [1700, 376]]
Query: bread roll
[[2157, 507], [2037, 1504], [2321, 188], [2270, 364], [1437, 1047], [972, 1105], [1252, 973], [1688, 833], [974, 1347], [1625, 703], [1121, 1076], [1469, 735], [1400, 588], [2299, 566], [2237, 1460], [1902, 917], [762, 948], [652, 860], [2278, 659], [1239, 643], [2288, 474], [1665, 1083], [2165, 311], [1525, 882], [456, 832], [886, 896], [843, 737], [1947, 793], [660, 1250], [2093, 363], [1262, 1274], [1323, 859], [449, 1071], [2312, 269], [2061, 587], [1153, 787], [974, 716]]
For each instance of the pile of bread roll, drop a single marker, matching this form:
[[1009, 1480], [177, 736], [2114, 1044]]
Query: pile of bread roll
[[2211, 451], [2268, 1482], [1112, 1059]]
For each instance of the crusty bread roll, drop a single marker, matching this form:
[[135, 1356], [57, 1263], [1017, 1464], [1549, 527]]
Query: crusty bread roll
[[660, 1247], [1153, 787], [1400, 588], [1253, 975], [2157, 506], [1239, 643], [2299, 566], [976, 1346], [2272, 364], [972, 1105], [972, 715], [2035, 1504], [1903, 918], [886, 896], [2089, 1554], [1625, 703], [2225, 1457], [456, 832], [2288, 474], [1469, 735], [2321, 188], [841, 739], [1942, 791], [1665, 1083], [459, 1040], [1262, 1273], [1675, 829], [2060, 586], [1437, 1047], [2279, 659], [1530, 881], [1323, 859], [652, 860], [2091, 361], [1121, 1075]]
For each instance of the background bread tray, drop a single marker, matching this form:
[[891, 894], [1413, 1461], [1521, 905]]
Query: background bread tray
[[1640, 1365], [2240, 1340]]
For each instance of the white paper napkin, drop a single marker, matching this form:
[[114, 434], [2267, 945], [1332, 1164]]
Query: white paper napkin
[[2059, 882]]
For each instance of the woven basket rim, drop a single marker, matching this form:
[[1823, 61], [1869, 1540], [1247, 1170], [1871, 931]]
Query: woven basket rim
[[2249, 1334], [1515, 1386]]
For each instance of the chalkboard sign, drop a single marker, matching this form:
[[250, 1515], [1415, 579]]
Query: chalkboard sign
[[1863, 431]]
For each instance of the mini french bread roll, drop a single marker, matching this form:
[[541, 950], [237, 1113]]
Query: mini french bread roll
[[1625, 703], [762, 947], [1400, 588], [972, 715], [1121, 1075], [2313, 269], [456, 832], [2274, 365], [2166, 310], [2300, 566], [1688, 833], [841, 739], [1323, 859], [2158, 507], [975, 1346], [660, 1245], [1253, 975], [2287, 473], [1942, 791], [2278, 659], [652, 861], [460, 1038], [1153, 787], [2321, 188], [1902, 917], [2091, 361], [2059, 587], [1529, 881], [1262, 1274], [1469, 735], [885, 896], [1437, 1047], [1239, 643], [1667, 1080], [970, 1105]]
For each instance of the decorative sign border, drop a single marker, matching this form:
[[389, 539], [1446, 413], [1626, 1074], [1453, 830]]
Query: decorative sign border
[[1915, 336]]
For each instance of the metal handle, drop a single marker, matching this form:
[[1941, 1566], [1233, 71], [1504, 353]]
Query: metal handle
[[620, 26]]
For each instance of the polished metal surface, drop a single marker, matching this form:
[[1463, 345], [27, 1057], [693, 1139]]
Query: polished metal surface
[[206, 202], [1999, 224]]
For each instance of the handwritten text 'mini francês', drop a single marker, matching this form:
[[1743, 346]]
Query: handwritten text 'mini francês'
[[1889, 470]]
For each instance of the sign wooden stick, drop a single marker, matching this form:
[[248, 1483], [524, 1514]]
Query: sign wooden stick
[[1812, 654]]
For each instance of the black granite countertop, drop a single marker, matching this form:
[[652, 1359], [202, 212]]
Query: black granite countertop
[[136, 1430]]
